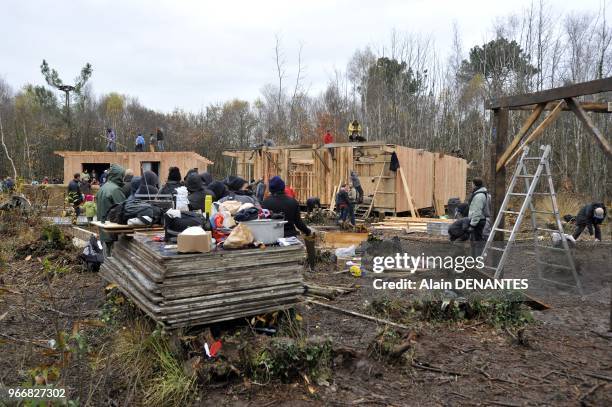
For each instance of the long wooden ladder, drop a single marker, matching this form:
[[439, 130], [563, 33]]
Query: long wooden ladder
[[531, 184]]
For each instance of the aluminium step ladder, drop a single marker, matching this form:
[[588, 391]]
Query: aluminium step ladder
[[531, 184]]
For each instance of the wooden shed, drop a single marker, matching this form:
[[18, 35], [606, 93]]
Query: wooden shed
[[158, 162], [313, 170]]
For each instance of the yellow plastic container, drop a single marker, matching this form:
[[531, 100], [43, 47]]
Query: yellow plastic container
[[207, 204]]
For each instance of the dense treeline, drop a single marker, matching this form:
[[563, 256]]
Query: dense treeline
[[405, 93]]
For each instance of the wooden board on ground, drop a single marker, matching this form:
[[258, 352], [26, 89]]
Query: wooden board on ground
[[337, 239]]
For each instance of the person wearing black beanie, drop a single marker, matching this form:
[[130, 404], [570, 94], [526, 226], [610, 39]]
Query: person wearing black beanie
[[207, 178], [278, 203], [174, 181], [238, 191]]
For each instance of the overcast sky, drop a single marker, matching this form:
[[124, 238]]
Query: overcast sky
[[188, 54]]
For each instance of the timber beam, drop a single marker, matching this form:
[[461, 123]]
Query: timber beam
[[550, 95], [597, 107], [586, 120]]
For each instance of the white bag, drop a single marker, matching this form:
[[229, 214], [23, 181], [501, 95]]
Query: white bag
[[346, 251], [182, 202]]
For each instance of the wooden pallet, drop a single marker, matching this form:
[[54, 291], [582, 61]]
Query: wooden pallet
[[179, 290]]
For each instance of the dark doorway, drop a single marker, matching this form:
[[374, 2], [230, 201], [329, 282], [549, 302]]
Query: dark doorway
[[149, 166], [98, 167]]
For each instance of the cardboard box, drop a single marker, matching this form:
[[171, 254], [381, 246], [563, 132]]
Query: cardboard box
[[193, 243]]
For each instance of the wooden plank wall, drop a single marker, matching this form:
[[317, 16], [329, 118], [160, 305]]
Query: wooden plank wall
[[309, 175], [418, 167], [369, 163], [184, 161], [450, 175]]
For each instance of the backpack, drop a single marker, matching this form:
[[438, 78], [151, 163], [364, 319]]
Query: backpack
[[486, 211], [174, 226], [130, 209], [93, 255]]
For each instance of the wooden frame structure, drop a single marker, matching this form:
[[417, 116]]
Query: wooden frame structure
[[553, 100], [184, 160], [429, 179]]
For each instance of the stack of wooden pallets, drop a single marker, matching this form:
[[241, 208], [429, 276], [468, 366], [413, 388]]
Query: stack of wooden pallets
[[180, 290]]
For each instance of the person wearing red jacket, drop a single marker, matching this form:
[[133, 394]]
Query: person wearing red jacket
[[328, 138], [289, 192]]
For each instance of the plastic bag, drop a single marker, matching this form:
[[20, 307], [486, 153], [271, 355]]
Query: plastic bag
[[182, 202], [230, 206], [346, 251], [240, 237]]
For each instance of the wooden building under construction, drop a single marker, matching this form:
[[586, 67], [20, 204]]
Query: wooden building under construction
[[429, 179], [158, 162]]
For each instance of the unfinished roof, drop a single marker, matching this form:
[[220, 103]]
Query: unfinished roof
[[146, 155]]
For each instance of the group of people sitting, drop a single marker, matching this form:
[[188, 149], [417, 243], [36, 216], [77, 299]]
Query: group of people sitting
[[123, 185]]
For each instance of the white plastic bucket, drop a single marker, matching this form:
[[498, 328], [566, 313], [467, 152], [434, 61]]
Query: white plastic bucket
[[266, 231]]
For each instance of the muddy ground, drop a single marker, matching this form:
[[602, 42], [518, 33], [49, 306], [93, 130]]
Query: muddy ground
[[561, 357]]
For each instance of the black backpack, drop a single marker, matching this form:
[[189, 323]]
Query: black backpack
[[174, 226], [130, 209], [93, 255]]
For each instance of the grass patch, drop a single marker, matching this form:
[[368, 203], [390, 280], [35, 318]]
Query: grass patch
[[143, 357], [504, 309], [287, 359]]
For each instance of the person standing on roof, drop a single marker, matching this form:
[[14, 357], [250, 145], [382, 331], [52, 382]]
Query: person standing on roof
[[328, 138], [160, 139], [111, 139], [140, 143], [590, 216]]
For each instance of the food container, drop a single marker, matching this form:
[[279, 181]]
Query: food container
[[266, 231]]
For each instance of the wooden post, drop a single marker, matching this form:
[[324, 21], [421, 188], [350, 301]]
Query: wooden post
[[413, 211], [498, 178]]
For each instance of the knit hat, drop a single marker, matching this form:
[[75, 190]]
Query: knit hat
[[599, 213], [235, 183], [174, 174], [276, 184]]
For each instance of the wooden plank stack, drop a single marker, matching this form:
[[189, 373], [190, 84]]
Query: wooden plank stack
[[425, 225], [192, 289]]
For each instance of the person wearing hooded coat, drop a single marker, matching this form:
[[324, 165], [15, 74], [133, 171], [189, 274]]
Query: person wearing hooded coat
[[127, 182], [207, 178], [218, 189], [109, 194], [134, 185], [148, 184], [174, 181], [238, 192], [197, 192], [278, 202]]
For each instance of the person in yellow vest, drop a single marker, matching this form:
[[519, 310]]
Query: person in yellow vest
[[354, 130]]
